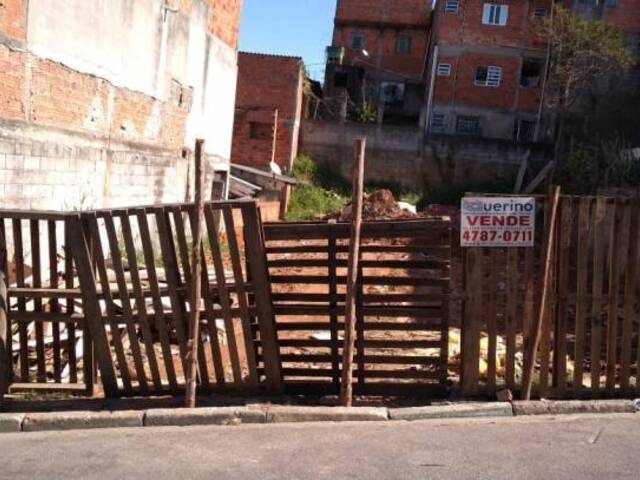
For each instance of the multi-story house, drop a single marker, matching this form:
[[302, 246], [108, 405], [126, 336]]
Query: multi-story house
[[486, 68], [379, 55]]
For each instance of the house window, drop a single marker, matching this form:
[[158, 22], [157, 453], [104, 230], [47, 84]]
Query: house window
[[523, 131], [539, 13], [494, 14], [260, 131], [444, 69], [451, 7], [531, 73], [468, 126], [488, 76], [403, 44], [392, 92], [437, 122], [341, 80], [611, 3], [357, 41]]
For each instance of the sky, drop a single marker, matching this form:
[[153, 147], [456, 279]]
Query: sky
[[301, 28]]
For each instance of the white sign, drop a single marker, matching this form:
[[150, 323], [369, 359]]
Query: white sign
[[497, 222]]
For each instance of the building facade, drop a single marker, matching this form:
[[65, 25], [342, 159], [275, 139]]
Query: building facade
[[378, 57], [269, 104], [487, 68], [101, 102]]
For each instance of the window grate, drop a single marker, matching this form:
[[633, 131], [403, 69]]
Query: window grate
[[438, 122], [451, 7], [444, 69], [488, 76], [494, 14]]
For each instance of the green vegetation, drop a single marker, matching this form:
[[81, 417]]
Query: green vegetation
[[312, 200], [595, 128]]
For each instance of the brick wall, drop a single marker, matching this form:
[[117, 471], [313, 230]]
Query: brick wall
[[63, 129], [13, 19], [267, 83]]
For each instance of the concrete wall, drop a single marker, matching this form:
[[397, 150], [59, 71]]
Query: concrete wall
[[142, 77], [401, 156]]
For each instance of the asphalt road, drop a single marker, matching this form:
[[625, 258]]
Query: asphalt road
[[580, 447]]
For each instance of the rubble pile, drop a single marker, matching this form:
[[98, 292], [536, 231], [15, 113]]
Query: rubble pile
[[379, 205]]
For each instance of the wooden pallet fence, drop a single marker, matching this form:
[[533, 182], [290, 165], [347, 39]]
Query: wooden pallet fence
[[121, 285], [402, 305], [589, 345], [45, 341]]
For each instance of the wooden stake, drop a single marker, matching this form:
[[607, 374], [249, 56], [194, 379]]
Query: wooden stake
[[536, 332], [196, 284], [346, 387]]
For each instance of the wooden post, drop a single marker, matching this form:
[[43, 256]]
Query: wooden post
[[196, 284], [533, 345], [346, 388]]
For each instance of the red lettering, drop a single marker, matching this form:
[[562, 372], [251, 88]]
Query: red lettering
[[525, 221], [512, 221], [485, 221], [473, 221]]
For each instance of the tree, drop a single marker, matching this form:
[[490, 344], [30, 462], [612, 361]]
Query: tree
[[583, 54]]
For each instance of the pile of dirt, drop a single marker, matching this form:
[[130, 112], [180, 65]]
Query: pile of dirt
[[379, 205]]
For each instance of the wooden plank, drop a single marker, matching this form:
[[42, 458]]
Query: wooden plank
[[368, 326], [547, 257], [582, 306], [529, 297], [77, 245], [332, 267], [560, 337], [472, 309], [20, 274], [510, 318], [354, 288], [369, 359], [236, 264], [392, 264], [6, 337], [220, 279], [254, 245], [601, 230], [125, 302], [141, 307], [630, 295], [36, 276], [69, 278], [618, 249], [196, 350], [376, 280], [54, 305], [116, 338], [158, 308], [169, 261], [537, 331], [202, 368]]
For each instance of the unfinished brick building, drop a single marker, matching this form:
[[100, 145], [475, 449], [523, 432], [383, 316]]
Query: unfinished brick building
[[488, 63], [268, 110], [98, 99], [487, 67], [379, 54]]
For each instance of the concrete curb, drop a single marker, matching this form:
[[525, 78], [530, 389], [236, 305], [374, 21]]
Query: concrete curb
[[546, 407], [183, 417], [325, 414], [37, 422], [11, 422], [464, 410], [33, 422]]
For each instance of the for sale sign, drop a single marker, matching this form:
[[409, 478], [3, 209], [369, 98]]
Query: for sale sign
[[498, 222]]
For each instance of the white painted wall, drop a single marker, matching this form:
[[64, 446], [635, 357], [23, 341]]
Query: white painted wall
[[136, 44]]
